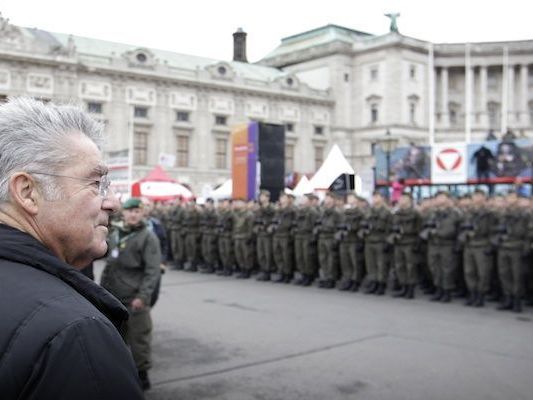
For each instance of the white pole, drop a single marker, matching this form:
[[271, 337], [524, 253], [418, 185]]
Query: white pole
[[505, 88], [130, 147], [468, 94], [431, 97]]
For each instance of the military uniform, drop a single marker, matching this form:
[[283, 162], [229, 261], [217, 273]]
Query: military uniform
[[305, 244], [242, 237], [132, 271], [351, 249], [263, 219], [282, 243], [406, 224], [329, 222], [513, 245], [377, 223], [475, 233], [225, 241], [442, 251], [208, 222], [191, 225], [177, 239]]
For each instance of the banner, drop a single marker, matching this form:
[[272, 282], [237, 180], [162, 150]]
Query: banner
[[245, 167], [119, 173], [449, 163]]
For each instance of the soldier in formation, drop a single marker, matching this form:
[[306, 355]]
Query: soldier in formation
[[476, 247]]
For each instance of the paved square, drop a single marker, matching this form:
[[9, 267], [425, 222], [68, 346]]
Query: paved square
[[223, 338]]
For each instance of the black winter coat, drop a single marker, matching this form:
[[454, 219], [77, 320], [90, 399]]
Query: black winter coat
[[59, 335]]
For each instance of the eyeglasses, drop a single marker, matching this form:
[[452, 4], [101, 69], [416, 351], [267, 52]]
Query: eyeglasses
[[101, 184]]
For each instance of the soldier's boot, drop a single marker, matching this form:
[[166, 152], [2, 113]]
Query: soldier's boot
[[307, 280], [396, 284], [178, 265], [381, 289], [438, 295], [287, 278], [401, 293], [278, 279], [355, 286], [372, 287], [345, 285], [472, 298], [410, 292], [208, 269], [507, 304], [430, 289], [480, 301], [517, 305], [494, 296], [446, 296], [145, 381], [460, 293], [243, 275], [263, 277], [326, 284]]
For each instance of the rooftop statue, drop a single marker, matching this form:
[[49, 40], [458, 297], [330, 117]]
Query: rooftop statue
[[393, 24]]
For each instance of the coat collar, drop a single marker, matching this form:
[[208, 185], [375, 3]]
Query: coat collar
[[20, 247]]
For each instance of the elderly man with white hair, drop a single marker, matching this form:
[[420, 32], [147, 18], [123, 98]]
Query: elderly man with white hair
[[60, 333]]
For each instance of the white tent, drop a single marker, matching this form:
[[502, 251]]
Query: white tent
[[303, 187], [224, 191], [334, 165]]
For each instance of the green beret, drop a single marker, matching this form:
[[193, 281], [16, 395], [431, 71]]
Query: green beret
[[132, 202]]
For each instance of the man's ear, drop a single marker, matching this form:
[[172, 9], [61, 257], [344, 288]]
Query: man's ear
[[24, 193]]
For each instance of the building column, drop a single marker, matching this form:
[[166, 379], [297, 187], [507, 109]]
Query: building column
[[483, 120], [511, 109], [444, 116], [523, 107]]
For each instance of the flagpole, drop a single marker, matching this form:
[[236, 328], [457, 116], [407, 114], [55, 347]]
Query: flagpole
[[468, 94], [130, 149], [431, 100]]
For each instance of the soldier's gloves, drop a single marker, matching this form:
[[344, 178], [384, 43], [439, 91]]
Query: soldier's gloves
[[339, 236]]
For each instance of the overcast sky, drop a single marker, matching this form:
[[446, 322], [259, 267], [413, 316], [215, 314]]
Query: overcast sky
[[204, 27]]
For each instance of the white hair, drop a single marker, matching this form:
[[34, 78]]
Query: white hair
[[33, 138]]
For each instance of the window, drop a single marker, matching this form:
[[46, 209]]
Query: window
[[493, 110], [140, 147], [412, 72], [221, 153], [3, 98], [94, 108], [319, 130], [221, 120], [492, 79], [453, 116], [140, 112], [182, 150], [289, 158], [412, 113], [374, 73], [319, 156], [289, 127], [374, 114], [346, 77], [141, 57], [182, 116]]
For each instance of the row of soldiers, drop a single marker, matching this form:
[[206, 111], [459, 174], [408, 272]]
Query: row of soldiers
[[475, 246]]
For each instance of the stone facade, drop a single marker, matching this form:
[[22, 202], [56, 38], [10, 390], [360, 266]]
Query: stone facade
[[329, 85], [412, 87], [165, 104]]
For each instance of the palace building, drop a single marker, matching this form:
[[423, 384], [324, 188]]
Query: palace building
[[330, 85]]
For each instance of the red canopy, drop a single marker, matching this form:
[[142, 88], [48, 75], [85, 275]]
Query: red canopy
[[159, 186]]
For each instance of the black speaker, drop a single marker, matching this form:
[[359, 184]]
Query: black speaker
[[272, 158]]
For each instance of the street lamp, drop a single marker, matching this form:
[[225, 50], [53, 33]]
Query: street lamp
[[388, 144]]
